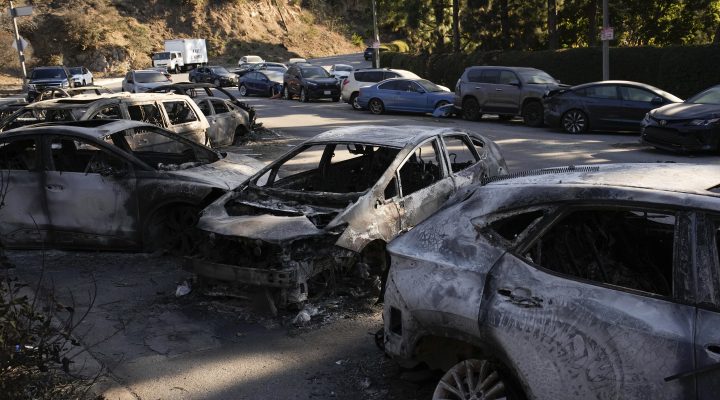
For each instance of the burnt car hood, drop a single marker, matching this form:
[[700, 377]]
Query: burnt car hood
[[229, 172], [272, 218], [686, 111]]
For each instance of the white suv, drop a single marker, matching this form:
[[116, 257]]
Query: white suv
[[366, 77]]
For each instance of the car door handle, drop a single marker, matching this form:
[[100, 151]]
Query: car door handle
[[524, 300], [498, 90], [54, 188]]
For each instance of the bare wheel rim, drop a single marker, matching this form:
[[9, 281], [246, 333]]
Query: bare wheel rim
[[376, 106], [471, 380], [574, 121], [173, 229], [243, 90]]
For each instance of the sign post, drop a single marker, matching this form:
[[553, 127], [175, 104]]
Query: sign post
[[606, 35], [376, 39], [20, 43]]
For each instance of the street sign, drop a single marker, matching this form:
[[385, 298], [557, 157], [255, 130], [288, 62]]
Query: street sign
[[23, 43], [607, 34], [21, 11], [376, 45]]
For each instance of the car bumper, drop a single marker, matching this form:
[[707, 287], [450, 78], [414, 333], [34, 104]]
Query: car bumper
[[682, 139], [323, 92]]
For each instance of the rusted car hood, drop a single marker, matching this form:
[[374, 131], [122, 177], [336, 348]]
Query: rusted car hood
[[228, 172]]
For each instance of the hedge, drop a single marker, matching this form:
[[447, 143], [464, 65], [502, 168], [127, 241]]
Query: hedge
[[681, 70]]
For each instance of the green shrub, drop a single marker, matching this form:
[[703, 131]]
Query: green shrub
[[357, 40]]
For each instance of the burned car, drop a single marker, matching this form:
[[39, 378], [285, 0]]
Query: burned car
[[113, 184], [597, 282], [336, 200]]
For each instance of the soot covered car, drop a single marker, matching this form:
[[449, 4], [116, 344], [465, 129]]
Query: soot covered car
[[335, 201], [597, 282], [112, 184]]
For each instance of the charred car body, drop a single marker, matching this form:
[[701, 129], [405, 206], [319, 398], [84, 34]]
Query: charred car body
[[109, 183], [337, 199], [595, 282]]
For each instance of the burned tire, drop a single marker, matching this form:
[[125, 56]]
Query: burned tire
[[243, 90], [574, 121], [354, 102], [475, 379], [532, 113], [471, 109], [172, 228], [376, 106], [241, 134]]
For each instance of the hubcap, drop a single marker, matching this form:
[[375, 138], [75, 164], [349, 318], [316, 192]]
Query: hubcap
[[574, 122], [243, 90], [375, 107], [471, 380]]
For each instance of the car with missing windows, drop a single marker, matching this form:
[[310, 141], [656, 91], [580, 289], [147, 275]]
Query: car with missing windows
[[504, 91], [174, 112], [109, 184], [603, 106], [408, 95], [350, 86], [334, 202], [565, 283]]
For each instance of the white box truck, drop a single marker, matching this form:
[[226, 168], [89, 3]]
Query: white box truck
[[181, 54]]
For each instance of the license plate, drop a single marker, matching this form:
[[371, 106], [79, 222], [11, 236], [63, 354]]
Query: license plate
[[327, 92]]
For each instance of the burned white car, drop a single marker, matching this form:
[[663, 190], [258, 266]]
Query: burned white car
[[335, 200], [113, 184], [597, 282]]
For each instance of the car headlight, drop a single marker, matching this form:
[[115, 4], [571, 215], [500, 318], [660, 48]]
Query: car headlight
[[65, 84], [704, 122], [31, 86]]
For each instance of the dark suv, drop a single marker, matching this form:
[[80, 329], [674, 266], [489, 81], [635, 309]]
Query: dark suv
[[43, 77], [505, 91], [309, 82]]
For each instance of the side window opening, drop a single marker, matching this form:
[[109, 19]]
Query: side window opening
[[220, 106], [19, 155], [146, 113], [627, 248], [71, 155], [109, 112], [421, 169], [179, 112], [460, 153], [510, 228], [391, 189], [205, 108]]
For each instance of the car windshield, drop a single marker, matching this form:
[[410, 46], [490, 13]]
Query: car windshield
[[539, 77], [162, 150], [315, 72], [275, 76], [219, 70], [48, 73], [329, 168], [709, 96], [149, 77], [76, 71], [161, 56], [343, 68], [429, 86]]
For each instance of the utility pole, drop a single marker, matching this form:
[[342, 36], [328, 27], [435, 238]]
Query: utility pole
[[376, 39], [606, 37], [14, 13]]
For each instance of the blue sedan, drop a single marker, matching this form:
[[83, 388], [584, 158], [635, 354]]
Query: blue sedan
[[412, 95], [267, 83]]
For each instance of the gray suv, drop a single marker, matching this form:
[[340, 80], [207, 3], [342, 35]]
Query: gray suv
[[505, 91]]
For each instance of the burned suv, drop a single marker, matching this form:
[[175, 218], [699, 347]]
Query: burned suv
[[597, 282], [505, 91], [335, 201]]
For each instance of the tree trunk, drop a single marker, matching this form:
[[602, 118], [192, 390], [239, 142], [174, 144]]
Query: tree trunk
[[504, 24], [439, 11], [592, 23], [716, 39], [456, 26], [552, 25]]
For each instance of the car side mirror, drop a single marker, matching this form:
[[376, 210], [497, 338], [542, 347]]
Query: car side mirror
[[656, 100]]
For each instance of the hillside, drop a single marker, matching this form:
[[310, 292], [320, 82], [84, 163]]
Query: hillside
[[112, 36]]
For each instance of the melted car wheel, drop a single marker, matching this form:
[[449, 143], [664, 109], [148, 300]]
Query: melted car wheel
[[376, 106], [473, 380], [574, 121], [172, 228]]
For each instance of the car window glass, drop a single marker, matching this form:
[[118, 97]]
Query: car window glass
[[421, 169], [414, 87], [392, 85], [602, 92], [460, 152], [627, 248], [19, 155], [75, 155], [205, 108], [219, 106], [389, 75], [146, 113], [636, 94], [473, 75], [179, 112], [108, 112], [361, 76], [490, 76], [507, 78], [373, 76]]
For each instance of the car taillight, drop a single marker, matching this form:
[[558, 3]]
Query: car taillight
[[346, 81]]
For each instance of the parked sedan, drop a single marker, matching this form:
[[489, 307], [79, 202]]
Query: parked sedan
[[605, 105], [138, 81], [690, 126], [265, 83], [81, 76], [261, 67], [411, 95], [336, 200], [111, 184], [595, 282], [219, 76]]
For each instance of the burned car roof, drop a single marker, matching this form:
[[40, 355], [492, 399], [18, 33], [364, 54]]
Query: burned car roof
[[96, 128], [382, 135]]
